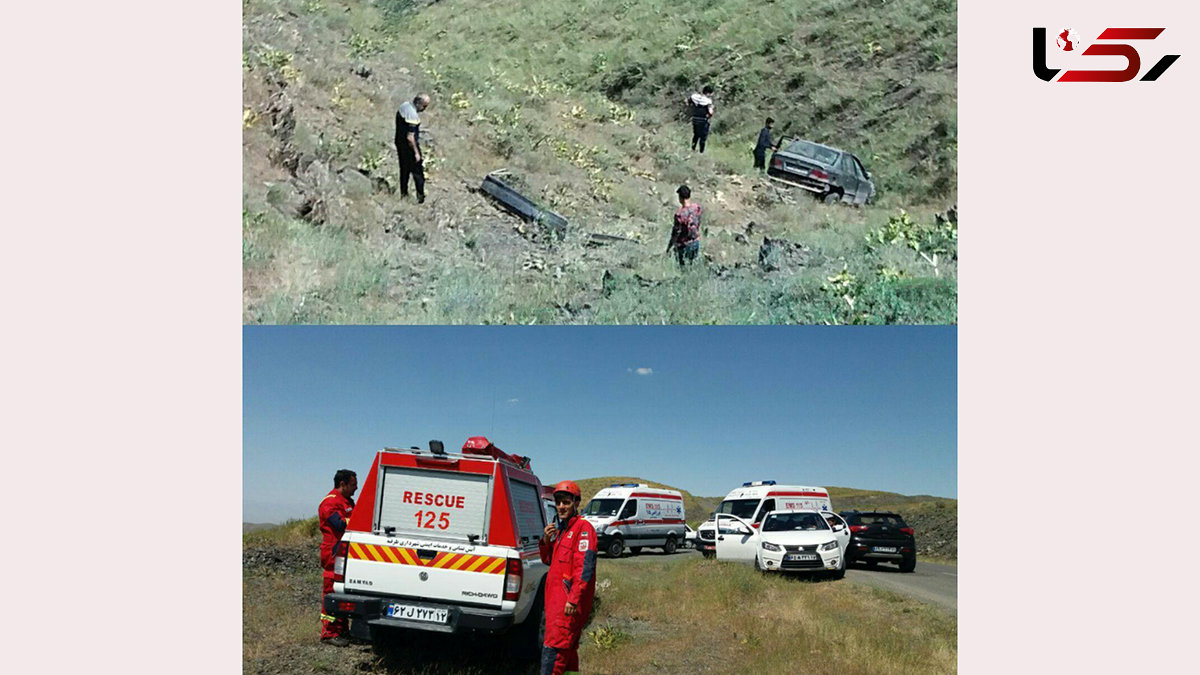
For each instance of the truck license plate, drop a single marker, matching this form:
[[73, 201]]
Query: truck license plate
[[412, 613], [884, 549], [801, 556]]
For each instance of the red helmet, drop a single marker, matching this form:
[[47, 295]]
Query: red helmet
[[569, 487]]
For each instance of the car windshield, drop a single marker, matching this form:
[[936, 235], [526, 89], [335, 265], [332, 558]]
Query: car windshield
[[603, 507], [788, 522], [820, 153], [742, 508]]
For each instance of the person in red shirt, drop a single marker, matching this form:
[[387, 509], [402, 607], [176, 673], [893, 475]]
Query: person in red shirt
[[685, 234], [332, 515], [569, 546]]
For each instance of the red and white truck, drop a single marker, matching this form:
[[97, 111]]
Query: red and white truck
[[444, 542]]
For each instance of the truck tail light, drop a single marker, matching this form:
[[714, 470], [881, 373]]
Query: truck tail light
[[858, 528], [818, 174], [512, 579], [776, 162], [339, 561], [754, 525], [906, 530]]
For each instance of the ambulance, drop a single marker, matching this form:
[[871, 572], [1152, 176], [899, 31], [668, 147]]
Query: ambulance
[[754, 500], [636, 515], [444, 542]]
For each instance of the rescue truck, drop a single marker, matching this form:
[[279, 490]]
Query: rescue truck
[[755, 499], [444, 542], [636, 515]]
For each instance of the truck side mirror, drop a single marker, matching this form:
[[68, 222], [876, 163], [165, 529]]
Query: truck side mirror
[[437, 448]]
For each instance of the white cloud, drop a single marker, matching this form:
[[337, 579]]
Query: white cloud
[[513, 401], [642, 371]]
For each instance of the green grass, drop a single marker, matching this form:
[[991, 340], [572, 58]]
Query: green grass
[[582, 102]]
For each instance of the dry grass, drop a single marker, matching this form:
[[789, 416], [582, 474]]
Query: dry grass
[[686, 616], [653, 614]]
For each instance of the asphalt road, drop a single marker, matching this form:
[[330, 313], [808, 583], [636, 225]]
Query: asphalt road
[[931, 583]]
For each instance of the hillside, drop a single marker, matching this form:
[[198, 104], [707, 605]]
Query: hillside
[[581, 102]]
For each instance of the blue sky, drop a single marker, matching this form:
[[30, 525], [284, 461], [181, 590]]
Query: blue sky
[[700, 408]]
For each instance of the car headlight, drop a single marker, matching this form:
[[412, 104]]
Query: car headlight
[[829, 546], [600, 529], [771, 547]]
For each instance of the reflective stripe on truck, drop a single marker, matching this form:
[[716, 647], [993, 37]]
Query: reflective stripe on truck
[[408, 556]]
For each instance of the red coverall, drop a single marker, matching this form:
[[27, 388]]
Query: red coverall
[[572, 578], [332, 515]]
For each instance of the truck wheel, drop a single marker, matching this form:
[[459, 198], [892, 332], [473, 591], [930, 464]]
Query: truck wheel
[[908, 564], [707, 554], [832, 197], [615, 547], [671, 545], [634, 550], [525, 640]]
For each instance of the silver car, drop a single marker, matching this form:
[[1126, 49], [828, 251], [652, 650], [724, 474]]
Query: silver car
[[833, 175]]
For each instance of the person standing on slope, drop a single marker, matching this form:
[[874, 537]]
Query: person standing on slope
[[568, 545], [408, 145], [685, 232], [333, 513], [702, 111]]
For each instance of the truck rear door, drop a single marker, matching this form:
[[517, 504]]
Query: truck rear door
[[429, 540]]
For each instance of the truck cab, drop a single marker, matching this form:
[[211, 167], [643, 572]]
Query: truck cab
[[444, 542], [636, 515], [754, 500]]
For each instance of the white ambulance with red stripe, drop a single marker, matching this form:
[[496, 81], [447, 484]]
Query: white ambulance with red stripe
[[755, 499], [444, 542], [635, 515]]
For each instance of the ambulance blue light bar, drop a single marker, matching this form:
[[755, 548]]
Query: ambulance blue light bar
[[754, 483], [625, 485]]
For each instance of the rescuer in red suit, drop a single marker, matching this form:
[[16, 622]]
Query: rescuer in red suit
[[569, 547], [332, 515]]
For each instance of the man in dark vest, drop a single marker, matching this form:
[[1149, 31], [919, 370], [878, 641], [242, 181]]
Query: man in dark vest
[[702, 111], [408, 145]]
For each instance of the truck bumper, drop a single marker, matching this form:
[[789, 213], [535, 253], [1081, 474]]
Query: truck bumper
[[372, 610]]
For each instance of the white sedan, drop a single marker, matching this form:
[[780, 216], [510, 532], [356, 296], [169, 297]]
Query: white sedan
[[786, 541]]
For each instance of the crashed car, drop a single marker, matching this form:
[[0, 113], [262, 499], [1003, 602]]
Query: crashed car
[[833, 175]]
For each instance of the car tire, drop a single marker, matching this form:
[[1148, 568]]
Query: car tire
[[615, 547], [758, 565], [671, 545], [635, 550], [707, 554], [908, 565], [832, 197]]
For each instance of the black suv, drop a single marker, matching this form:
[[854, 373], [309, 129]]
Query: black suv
[[880, 536]]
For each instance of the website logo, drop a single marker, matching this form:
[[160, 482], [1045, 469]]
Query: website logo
[[1109, 43]]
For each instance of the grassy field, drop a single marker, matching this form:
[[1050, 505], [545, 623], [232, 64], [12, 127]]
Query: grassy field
[[679, 614], [581, 102]]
